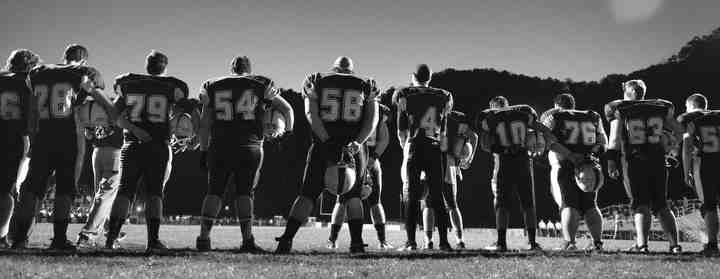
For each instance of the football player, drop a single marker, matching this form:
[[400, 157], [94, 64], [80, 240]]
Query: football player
[[14, 112], [232, 137], [57, 141], [509, 128], [422, 126], [581, 131], [342, 110], [144, 101], [701, 155], [106, 139], [375, 144], [636, 145], [462, 144]]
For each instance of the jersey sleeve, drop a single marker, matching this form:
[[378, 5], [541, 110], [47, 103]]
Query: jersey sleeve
[[309, 87]]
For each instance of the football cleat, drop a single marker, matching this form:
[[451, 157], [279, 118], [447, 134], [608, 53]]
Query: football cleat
[[596, 246], [445, 247], [567, 246], [497, 247], [156, 246], [203, 244], [385, 246], [675, 249], [638, 249], [428, 245], [460, 245], [19, 244], [249, 246], [331, 245], [84, 241], [4, 243], [408, 247], [284, 245], [62, 245], [588, 175], [534, 246]]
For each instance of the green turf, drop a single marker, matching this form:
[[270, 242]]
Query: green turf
[[314, 261]]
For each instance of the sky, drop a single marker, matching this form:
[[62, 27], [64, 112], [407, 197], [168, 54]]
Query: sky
[[287, 40]]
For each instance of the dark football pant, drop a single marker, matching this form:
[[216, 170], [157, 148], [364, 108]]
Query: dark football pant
[[146, 160], [512, 177], [645, 180], [566, 192], [47, 156], [12, 155], [320, 156], [424, 155], [243, 162], [707, 180]]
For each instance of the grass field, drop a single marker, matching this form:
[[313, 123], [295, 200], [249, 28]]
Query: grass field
[[312, 260]]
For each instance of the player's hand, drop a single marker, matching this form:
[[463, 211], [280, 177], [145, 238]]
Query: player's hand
[[353, 147], [613, 170], [465, 164], [142, 135], [87, 84]]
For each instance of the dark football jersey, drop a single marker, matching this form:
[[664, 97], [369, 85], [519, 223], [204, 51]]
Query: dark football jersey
[[457, 126], [384, 115], [643, 124], [14, 95], [425, 110], [57, 91], [706, 129], [688, 117], [578, 130], [508, 128], [341, 99], [146, 100], [239, 103]]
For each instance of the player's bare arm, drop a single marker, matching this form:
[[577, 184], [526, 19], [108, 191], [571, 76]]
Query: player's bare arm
[[80, 141], [279, 103], [601, 137], [403, 121], [613, 148], [123, 122], [206, 120], [553, 143], [312, 114], [370, 119], [383, 138], [96, 92], [687, 156], [473, 139]]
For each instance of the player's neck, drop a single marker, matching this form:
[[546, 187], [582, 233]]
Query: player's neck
[[421, 84]]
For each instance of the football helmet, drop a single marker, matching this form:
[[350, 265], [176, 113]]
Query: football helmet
[[588, 175], [98, 121], [183, 134], [462, 150], [340, 176], [535, 142], [273, 123]]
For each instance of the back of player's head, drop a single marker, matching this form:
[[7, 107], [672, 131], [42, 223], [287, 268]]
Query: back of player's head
[[564, 101], [75, 53], [696, 101], [156, 62], [240, 65], [343, 64], [499, 102], [21, 61], [634, 89], [422, 74]]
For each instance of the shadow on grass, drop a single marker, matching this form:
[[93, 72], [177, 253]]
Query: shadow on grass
[[420, 255]]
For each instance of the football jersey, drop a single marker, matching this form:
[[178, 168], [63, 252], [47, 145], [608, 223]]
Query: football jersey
[[457, 125], [508, 128], [384, 115], [643, 124], [57, 91], [14, 95], [238, 103], [577, 130], [426, 110], [706, 129], [147, 100], [341, 99], [688, 117]]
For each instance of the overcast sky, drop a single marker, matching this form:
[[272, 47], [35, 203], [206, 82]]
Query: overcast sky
[[286, 40]]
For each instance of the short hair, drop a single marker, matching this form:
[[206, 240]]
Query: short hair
[[240, 64], [343, 64], [422, 73], [565, 101], [698, 101], [156, 62], [637, 86], [21, 61], [499, 102], [75, 53]]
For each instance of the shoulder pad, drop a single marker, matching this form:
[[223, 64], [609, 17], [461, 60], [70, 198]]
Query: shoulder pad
[[125, 77]]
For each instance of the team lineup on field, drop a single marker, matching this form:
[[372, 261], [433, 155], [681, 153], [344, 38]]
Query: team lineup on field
[[51, 112]]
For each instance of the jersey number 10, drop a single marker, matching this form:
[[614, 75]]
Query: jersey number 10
[[515, 135]]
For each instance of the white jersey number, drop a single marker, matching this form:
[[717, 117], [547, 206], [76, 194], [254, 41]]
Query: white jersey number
[[585, 130], [710, 139], [244, 107], [10, 106], [337, 104], [60, 100], [638, 130], [515, 136], [156, 107]]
